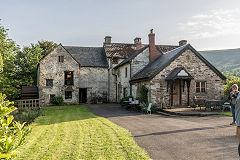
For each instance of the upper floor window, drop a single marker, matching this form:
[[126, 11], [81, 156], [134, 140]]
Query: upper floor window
[[49, 82], [201, 86], [60, 58], [68, 78], [126, 72]]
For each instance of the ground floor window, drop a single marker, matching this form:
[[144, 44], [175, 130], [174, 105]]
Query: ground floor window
[[201, 86], [49, 82], [52, 96], [68, 94]]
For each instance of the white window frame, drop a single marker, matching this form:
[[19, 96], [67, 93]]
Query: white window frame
[[200, 86]]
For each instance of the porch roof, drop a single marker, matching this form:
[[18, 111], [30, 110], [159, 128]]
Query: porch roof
[[179, 73]]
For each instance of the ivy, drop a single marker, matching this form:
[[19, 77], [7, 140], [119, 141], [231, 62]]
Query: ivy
[[143, 94]]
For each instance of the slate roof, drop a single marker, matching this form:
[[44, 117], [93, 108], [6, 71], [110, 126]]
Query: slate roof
[[88, 56], [174, 74], [119, 50], [163, 60], [124, 50], [165, 48], [137, 52]]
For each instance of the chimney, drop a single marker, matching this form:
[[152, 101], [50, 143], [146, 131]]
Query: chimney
[[182, 42], [152, 48], [107, 39], [138, 43]]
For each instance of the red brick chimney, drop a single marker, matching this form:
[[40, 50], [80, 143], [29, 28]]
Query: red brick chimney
[[152, 48]]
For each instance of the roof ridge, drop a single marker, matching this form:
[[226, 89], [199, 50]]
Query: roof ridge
[[82, 47]]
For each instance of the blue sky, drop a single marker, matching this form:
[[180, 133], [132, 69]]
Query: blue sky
[[206, 24]]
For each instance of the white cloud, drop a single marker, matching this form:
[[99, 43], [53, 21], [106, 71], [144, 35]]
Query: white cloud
[[212, 24]]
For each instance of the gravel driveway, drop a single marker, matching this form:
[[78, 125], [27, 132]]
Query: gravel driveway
[[175, 137]]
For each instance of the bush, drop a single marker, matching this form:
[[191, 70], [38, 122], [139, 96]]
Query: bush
[[26, 115], [143, 94], [228, 86], [57, 100], [12, 133]]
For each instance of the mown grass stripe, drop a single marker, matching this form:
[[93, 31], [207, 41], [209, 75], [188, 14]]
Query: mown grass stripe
[[75, 133]]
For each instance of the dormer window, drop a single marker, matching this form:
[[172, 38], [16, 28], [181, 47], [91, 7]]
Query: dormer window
[[68, 77], [60, 58]]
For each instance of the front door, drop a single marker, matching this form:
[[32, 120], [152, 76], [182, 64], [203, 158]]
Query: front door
[[177, 92], [82, 95]]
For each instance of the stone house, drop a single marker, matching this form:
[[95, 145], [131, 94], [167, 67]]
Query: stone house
[[173, 74]]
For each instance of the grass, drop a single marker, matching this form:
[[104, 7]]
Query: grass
[[72, 132], [226, 113]]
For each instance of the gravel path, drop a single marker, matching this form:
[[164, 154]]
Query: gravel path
[[176, 138]]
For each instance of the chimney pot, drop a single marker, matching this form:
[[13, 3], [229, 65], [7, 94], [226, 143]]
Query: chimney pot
[[108, 39], [138, 43], [182, 42]]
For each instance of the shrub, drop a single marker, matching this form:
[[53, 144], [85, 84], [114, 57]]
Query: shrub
[[228, 86], [57, 100], [27, 115], [143, 94], [12, 133]]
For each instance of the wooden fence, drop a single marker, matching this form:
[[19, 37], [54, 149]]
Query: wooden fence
[[27, 103]]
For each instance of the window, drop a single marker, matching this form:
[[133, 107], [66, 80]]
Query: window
[[68, 78], [126, 72], [201, 86], [68, 94], [52, 96], [49, 82], [60, 58]]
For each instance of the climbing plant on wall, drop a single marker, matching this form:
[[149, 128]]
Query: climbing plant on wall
[[143, 94]]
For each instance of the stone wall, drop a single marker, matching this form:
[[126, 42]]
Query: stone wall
[[95, 79], [112, 80], [199, 71], [140, 61], [123, 81]]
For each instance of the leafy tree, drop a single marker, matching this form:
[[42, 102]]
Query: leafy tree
[[28, 59], [8, 50], [47, 46], [228, 86]]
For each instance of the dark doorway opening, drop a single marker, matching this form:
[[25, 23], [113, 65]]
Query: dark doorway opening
[[82, 95]]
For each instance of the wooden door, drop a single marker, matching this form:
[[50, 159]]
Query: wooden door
[[82, 95]]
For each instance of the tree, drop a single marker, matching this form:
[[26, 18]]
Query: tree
[[28, 59], [8, 50], [228, 86], [47, 46]]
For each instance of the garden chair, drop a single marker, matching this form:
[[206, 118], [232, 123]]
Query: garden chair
[[147, 109]]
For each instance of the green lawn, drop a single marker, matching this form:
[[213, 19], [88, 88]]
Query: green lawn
[[226, 113], [75, 133]]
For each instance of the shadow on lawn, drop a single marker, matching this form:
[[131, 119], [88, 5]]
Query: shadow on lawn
[[59, 114]]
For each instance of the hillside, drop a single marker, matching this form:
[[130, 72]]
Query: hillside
[[227, 61]]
